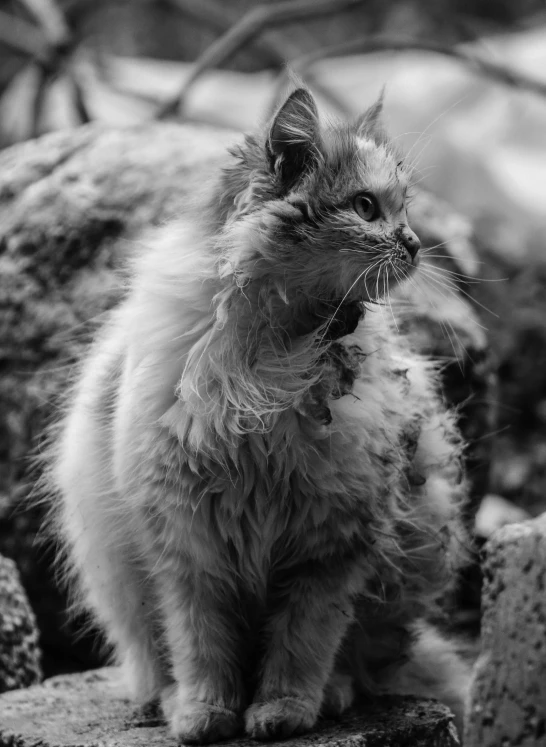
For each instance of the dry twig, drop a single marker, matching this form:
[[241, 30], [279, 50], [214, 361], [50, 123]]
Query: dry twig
[[78, 98], [58, 46], [38, 99], [245, 31], [48, 48], [51, 19], [479, 64], [22, 37], [219, 18]]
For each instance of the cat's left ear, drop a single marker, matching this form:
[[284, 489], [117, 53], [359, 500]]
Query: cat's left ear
[[292, 143], [372, 118]]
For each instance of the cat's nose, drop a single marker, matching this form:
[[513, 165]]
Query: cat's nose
[[409, 240]]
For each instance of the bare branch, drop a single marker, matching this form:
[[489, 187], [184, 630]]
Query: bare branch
[[21, 36], [38, 99], [316, 85], [250, 26], [209, 13], [78, 98], [479, 64], [51, 19], [221, 18]]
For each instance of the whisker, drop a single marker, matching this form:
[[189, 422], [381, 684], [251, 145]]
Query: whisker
[[441, 289], [433, 122], [476, 261], [426, 249], [387, 292], [444, 323], [362, 274], [467, 279], [449, 285]]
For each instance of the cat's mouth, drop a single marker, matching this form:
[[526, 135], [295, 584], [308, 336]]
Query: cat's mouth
[[395, 268]]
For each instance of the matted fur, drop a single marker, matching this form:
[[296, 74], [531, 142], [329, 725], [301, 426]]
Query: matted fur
[[258, 513]]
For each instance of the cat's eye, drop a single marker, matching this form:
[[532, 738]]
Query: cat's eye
[[366, 206]]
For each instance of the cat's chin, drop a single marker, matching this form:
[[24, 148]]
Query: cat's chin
[[371, 296]]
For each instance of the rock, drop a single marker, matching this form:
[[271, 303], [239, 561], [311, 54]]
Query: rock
[[19, 652], [71, 206], [84, 710], [508, 694]]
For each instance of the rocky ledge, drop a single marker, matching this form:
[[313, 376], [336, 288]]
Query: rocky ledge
[[88, 710], [19, 651]]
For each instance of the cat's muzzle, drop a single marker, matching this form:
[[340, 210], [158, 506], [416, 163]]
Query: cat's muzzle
[[409, 241]]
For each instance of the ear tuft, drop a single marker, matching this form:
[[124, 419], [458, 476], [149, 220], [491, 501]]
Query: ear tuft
[[293, 140], [372, 117]]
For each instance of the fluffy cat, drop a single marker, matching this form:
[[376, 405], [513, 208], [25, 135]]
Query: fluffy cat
[[260, 484]]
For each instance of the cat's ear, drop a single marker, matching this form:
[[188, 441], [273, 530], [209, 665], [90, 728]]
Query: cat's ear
[[292, 143], [372, 117]]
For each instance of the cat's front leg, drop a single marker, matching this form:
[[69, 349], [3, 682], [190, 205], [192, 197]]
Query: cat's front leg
[[202, 625], [307, 621], [207, 700]]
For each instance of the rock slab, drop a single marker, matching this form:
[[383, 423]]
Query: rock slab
[[88, 710], [508, 695], [19, 651]]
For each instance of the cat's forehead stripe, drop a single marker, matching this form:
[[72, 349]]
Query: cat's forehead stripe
[[381, 171]]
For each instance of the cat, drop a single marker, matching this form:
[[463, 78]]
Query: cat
[[259, 485]]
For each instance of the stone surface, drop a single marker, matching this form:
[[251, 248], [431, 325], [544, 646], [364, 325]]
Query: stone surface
[[508, 695], [87, 710], [19, 651], [72, 205]]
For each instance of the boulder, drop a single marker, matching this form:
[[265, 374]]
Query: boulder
[[85, 710], [508, 694], [19, 651]]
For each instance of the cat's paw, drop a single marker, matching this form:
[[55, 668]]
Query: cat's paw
[[194, 722], [280, 718], [338, 696]]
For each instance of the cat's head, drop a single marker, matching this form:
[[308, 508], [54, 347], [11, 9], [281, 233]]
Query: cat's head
[[323, 207]]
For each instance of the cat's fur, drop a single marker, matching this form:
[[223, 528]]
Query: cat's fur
[[260, 484]]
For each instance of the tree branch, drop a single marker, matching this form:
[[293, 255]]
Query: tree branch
[[369, 44], [250, 26], [21, 37], [219, 18], [38, 99], [51, 19], [209, 13], [78, 98]]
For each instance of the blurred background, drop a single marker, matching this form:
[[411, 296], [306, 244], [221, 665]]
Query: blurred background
[[465, 96]]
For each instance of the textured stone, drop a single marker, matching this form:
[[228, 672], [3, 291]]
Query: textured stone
[[87, 710], [508, 695], [19, 652]]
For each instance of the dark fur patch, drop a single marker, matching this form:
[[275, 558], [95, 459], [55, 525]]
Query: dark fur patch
[[410, 439], [341, 369], [342, 319]]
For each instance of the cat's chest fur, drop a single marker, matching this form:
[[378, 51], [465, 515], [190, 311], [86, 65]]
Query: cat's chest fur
[[318, 482]]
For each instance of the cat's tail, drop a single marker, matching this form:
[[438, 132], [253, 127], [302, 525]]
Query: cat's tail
[[435, 669]]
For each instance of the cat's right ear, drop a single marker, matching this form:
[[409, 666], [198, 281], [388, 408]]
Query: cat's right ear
[[292, 143]]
